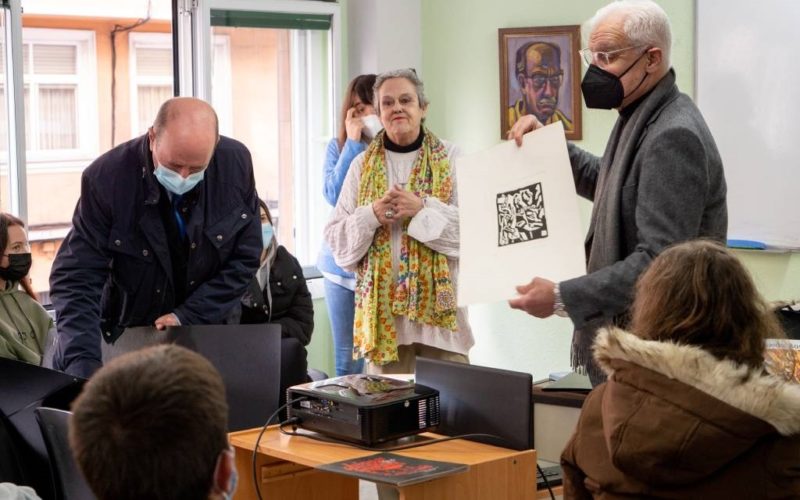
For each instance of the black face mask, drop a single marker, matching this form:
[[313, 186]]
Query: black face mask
[[604, 90], [19, 265]]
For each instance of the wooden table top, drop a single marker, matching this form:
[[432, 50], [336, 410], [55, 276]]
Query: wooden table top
[[312, 453]]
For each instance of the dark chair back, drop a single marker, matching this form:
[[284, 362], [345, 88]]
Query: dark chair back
[[67, 478], [789, 317], [248, 357]]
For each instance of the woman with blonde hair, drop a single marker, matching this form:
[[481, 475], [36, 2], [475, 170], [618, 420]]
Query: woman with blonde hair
[[688, 410]]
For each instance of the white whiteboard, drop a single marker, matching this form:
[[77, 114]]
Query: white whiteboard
[[748, 88]]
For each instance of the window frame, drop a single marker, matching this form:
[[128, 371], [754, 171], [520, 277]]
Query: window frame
[[85, 81], [309, 207], [138, 40]]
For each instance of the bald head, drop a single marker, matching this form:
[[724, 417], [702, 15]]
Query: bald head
[[540, 76], [546, 57], [186, 112], [184, 135]]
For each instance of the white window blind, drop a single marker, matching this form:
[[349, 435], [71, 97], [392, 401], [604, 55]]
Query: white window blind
[[55, 59], [154, 61]]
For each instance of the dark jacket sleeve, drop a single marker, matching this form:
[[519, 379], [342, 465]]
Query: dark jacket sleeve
[[585, 168], [76, 283], [212, 302], [298, 319], [670, 199]]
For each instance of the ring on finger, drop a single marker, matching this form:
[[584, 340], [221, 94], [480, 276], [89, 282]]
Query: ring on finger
[[389, 213]]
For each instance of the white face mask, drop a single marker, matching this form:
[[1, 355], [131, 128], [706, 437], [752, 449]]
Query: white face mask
[[372, 125]]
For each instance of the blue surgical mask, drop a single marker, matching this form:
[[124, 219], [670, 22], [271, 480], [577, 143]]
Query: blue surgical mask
[[267, 233], [174, 183]]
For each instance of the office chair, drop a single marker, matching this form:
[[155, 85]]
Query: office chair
[[67, 479]]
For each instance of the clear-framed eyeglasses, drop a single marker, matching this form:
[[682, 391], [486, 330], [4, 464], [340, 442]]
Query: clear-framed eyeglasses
[[603, 58]]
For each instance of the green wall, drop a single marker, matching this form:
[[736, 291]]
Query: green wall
[[461, 74], [320, 350]]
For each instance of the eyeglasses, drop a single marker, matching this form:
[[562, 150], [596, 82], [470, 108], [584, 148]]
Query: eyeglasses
[[603, 58], [539, 81]]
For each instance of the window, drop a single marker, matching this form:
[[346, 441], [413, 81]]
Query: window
[[282, 74], [78, 99], [150, 76], [59, 79]]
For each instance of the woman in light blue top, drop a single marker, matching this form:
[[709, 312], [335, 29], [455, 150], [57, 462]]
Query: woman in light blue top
[[358, 124]]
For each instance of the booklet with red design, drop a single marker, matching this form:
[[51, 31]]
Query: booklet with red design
[[394, 469]]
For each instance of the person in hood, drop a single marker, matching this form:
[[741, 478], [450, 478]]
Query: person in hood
[[24, 324], [688, 410], [660, 180]]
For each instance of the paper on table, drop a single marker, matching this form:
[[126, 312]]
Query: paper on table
[[518, 217]]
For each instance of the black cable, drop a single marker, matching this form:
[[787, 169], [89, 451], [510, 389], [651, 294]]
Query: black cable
[[117, 29], [256, 482], [546, 482]]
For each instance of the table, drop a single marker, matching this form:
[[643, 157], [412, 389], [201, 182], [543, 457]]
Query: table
[[287, 469]]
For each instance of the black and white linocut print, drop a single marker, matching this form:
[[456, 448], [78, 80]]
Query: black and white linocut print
[[521, 216]]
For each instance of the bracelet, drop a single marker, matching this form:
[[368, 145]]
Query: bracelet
[[559, 309]]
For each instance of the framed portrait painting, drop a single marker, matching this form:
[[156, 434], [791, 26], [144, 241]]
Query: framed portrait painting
[[540, 75]]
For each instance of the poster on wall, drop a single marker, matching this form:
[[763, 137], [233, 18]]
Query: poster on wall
[[518, 217], [540, 75]]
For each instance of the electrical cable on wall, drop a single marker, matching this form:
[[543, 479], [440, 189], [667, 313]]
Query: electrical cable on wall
[[118, 28]]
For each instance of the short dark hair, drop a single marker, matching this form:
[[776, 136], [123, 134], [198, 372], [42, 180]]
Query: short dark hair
[[151, 424], [698, 293]]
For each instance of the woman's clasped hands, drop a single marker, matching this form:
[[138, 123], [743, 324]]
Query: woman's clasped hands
[[396, 205]]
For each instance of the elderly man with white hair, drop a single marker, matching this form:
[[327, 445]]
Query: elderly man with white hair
[[660, 180]]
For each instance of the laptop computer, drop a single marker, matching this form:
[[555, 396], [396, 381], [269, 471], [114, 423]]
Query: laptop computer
[[247, 356], [478, 399]]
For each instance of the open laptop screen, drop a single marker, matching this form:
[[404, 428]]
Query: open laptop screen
[[478, 399]]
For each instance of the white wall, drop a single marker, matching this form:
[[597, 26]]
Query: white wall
[[383, 35]]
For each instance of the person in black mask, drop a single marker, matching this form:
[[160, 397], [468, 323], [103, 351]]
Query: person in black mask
[[660, 180], [24, 323]]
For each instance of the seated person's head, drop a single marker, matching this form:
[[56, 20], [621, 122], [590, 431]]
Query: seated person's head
[[15, 262], [153, 424], [698, 293]]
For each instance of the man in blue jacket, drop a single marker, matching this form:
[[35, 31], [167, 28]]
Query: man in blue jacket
[[166, 232]]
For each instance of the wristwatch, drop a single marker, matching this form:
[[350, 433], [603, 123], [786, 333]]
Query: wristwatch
[[559, 309]]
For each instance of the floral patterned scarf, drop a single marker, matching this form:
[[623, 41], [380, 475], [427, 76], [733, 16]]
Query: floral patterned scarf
[[423, 291]]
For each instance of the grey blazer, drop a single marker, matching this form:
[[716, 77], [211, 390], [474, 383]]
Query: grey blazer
[[659, 182]]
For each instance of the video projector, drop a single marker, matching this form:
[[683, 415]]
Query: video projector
[[364, 409]]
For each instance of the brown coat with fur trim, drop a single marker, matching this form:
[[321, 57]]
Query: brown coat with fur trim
[[675, 422]]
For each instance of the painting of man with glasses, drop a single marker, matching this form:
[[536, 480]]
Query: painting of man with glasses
[[539, 76]]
